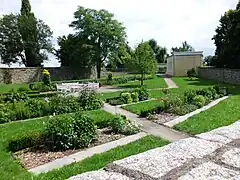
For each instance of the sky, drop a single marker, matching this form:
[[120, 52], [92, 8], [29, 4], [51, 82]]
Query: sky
[[170, 22]]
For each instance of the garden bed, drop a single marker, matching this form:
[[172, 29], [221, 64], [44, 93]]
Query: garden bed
[[162, 117], [39, 155], [170, 106]]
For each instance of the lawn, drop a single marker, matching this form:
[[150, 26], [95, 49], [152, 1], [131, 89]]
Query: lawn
[[195, 83], [7, 87], [155, 83], [11, 169], [223, 114], [137, 108]]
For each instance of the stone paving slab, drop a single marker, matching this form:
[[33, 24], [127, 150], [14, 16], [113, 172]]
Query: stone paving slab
[[212, 171], [213, 155], [100, 175], [232, 157], [224, 134], [158, 162]]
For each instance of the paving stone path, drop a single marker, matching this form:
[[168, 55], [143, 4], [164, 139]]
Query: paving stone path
[[170, 83], [146, 125], [212, 155]]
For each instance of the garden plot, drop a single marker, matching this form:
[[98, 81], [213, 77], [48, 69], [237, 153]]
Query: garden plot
[[175, 105], [67, 134]]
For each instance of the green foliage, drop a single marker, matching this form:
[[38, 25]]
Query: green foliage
[[89, 100], [64, 104], [226, 40], [38, 108], [189, 95], [23, 38], [165, 91], [23, 89], [126, 97], [6, 114], [199, 101], [70, 131], [159, 52], [115, 101], [208, 93], [191, 73], [143, 93], [105, 33], [184, 48], [110, 77], [135, 96], [185, 109], [120, 124], [13, 97], [143, 61], [76, 52]]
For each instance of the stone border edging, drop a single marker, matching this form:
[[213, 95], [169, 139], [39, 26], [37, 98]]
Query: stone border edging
[[79, 156], [185, 117]]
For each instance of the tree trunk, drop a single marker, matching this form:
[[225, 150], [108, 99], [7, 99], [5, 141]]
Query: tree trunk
[[141, 79], [99, 68]]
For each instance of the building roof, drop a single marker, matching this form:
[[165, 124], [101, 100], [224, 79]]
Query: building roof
[[195, 53]]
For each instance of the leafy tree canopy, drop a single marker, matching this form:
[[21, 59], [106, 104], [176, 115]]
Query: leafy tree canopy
[[23, 38], [160, 52], [143, 61], [75, 52], [184, 48], [105, 33], [227, 40]]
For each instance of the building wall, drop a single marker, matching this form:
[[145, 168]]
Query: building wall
[[231, 76], [183, 63], [170, 66], [26, 75]]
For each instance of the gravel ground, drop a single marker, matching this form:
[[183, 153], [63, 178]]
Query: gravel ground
[[36, 156], [163, 118]]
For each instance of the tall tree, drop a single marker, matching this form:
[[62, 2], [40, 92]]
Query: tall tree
[[143, 61], [227, 40], [105, 32], [24, 39], [75, 52], [184, 48], [160, 52]]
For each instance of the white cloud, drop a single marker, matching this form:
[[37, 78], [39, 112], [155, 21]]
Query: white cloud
[[169, 22]]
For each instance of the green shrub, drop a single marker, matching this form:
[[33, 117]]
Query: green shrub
[[110, 77], [199, 101], [135, 96], [191, 73], [143, 93], [182, 110], [120, 124], [64, 104], [26, 141], [6, 114], [15, 97], [189, 95], [46, 77], [38, 107], [165, 91], [89, 100], [115, 101], [70, 131], [22, 89], [208, 93], [126, 97], [21, 112]]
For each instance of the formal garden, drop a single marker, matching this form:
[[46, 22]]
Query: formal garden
[[58, 129]]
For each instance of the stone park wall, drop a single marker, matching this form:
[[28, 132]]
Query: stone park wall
[[26, 75], [231, 76]]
